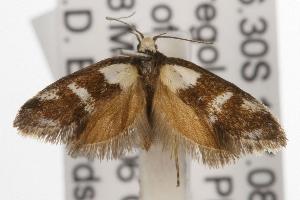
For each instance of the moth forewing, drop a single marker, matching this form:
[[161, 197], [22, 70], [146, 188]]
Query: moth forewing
[[97, 111], [236, 121]]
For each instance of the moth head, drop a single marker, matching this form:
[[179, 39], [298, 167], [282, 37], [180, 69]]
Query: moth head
[[147, 45]]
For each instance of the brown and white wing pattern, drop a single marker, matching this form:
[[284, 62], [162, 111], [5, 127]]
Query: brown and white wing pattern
[[210, 118], [96, 111]]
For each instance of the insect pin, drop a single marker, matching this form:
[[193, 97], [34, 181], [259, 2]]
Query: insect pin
[[135, 100]]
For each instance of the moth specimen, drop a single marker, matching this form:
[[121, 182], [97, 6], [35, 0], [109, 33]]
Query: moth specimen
[[109, 108]]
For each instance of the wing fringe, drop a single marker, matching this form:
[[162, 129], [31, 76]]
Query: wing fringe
[[214, 158], [51, 134], [250, 146], [135, 135]]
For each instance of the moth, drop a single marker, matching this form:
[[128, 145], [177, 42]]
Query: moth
[[135, 100]]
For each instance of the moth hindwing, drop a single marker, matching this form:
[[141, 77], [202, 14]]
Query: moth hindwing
[[108, 108]]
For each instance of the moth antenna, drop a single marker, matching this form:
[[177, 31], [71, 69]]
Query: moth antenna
[[178, 38], [157, 36], [132, 14], [134, 31]]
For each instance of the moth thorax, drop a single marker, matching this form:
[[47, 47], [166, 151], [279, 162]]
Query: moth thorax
[[147, 44]]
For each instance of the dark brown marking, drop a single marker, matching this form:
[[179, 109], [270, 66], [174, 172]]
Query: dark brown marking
[[232, 121], [68, 109]]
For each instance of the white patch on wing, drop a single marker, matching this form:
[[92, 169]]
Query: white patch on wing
[[123, 74], [48, 95], [216, 105], [212, 118], [84, 96], [177, 77], [220, 100], [251, 105], [254, 135], [48, 122]]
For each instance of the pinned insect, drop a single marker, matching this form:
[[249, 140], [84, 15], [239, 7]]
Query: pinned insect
[[107, 109]]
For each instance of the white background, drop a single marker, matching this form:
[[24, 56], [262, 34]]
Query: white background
[[32, 170]]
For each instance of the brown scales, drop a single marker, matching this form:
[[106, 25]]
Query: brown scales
[[148, 111]]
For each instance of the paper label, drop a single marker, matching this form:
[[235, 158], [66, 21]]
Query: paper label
[[244, 53]]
